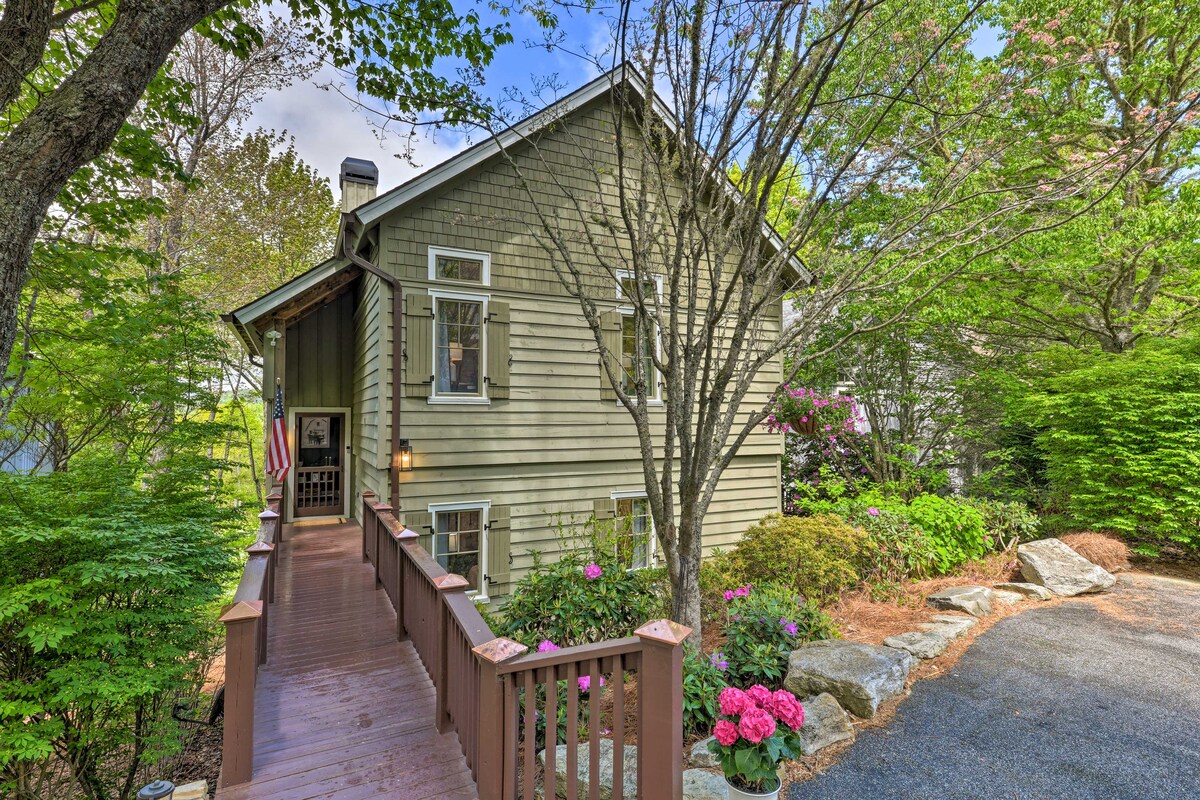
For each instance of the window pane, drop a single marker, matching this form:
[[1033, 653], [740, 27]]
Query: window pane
[[649, 290], [628, 351], [454, 268], [459, 542], [459, 346], [633, 532]]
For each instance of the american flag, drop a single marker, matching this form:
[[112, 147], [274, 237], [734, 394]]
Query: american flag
[[279, 460]]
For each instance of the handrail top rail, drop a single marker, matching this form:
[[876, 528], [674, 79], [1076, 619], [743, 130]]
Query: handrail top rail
[[571, 655], [253, 582]]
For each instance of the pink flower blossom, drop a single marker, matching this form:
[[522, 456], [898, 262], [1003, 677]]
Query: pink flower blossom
[[759, 694], [592, 571], [725, 732], [873, 511], [585, 682], [784, 705], [756, 725], [733, 701], [545, 646]]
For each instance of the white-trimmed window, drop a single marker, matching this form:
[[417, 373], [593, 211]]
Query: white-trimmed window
[[633, 530], [649, 343], [460, 266], [460, 541], [459, 347]]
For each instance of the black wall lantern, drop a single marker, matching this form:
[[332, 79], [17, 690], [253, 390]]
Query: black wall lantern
[[404, 456]]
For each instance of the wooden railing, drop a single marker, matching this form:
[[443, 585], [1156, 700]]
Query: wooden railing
[[246, 643], [504, 703]]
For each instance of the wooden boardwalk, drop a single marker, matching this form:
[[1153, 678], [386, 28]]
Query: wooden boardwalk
[[343, 710]]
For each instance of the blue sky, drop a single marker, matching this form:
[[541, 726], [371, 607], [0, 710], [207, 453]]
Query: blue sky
[[327, 127]]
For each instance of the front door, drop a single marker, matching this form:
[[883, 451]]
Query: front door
[[320, 473]]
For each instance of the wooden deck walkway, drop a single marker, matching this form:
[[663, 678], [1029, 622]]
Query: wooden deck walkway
[[343, 710]]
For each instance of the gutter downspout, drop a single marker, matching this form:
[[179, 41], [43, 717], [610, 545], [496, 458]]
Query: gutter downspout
[[397, 331]]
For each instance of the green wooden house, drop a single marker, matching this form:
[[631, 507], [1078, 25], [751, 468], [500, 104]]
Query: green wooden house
[[437, 361]]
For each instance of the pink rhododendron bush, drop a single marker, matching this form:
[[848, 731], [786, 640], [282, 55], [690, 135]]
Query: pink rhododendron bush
[[756, 730]]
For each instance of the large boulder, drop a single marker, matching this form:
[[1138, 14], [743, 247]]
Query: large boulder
[[974, 600], [583, 768], [1031, 590], [701, 756], [825, 723], [701, 785], [1051, 563], [860, 676], [929, 643]]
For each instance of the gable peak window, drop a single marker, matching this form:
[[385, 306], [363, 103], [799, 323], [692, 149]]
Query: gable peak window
[[459, 266]]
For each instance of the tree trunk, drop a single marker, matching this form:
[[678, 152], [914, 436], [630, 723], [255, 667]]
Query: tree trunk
[[76, 123]]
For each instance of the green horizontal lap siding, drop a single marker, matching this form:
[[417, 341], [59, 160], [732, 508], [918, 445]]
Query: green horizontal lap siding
[[371, 436], [553, 446]]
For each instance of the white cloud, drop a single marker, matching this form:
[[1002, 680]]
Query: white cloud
[[328, 128]]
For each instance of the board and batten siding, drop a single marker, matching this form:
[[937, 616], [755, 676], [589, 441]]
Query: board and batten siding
[[553, 448]]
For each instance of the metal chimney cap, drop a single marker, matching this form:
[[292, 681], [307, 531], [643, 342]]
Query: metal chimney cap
[[360, 170]]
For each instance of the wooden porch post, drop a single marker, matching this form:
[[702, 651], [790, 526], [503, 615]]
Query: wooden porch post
[[271, 518], [267, 550], [379, 529], [368, 518], [241, 670], [441, 682], [497, 739], [660, 716], [404, 540]]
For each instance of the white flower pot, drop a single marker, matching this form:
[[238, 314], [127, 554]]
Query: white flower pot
[[737, 794]]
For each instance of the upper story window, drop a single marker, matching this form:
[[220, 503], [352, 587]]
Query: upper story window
[[459, 266], [458, 345], [635, 347]]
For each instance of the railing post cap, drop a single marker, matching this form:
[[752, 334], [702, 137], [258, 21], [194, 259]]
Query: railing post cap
[[258, 548], [664, 630], [243, 610], [274, 496], [268, 514], [405, 533], [381, 508], [451, 583], [368, 493], [499, 649]]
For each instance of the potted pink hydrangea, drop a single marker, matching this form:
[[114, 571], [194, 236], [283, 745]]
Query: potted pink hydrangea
[[757, 730]]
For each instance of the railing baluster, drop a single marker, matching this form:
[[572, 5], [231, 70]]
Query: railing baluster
[[551, 730], [594, 729], [572, 741], [618, 727], [530, 738]]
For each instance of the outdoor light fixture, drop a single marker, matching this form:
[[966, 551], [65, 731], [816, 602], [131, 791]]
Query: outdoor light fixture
[[404, 455], [273, 337], [159, 790]]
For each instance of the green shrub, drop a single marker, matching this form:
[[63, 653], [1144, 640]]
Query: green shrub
[[109, 599], [703, 680], [954, 530], [896, 548], [817, 556], [1121, 440], [1006, 523], [556, 601], [765, 623]]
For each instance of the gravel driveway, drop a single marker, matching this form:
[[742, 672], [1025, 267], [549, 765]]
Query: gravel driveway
[[1095, 698]]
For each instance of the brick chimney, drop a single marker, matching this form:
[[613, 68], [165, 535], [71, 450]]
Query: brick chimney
[[359, 182]]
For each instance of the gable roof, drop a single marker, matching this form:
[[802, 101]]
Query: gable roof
[[373, 210]]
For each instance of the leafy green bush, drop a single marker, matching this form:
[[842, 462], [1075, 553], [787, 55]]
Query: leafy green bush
[[109, 598], [1006, 523], [817, 556], [703, 680], [1121, 439], [896, 548], [955, 530], [765, 623], [557, 601]]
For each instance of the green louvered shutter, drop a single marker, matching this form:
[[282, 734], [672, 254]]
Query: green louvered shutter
[[418, 345], [610, 332], [498, 351], [499, 550]]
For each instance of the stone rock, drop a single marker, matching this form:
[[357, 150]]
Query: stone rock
[[583, 768], [1005, 596], [701, 756], [825, 723], [1051, 563], [1028, 589], [859, 676], [197, 790], [975, 600], [929, 643], [950, 624], [701, 785]]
